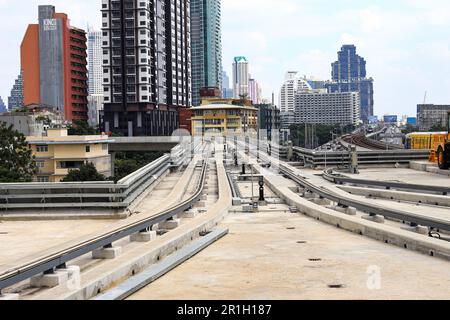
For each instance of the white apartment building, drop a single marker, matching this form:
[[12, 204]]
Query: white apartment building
[[292, 85], [254, 91], [241, 77], [95, 82], [327, 108]]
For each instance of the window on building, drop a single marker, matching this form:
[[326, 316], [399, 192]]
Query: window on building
[[43, 179], [41, 149], [70, 164], [40, 164], [88, 148]]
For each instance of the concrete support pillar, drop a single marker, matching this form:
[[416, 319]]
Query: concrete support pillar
[[290, 151], [417, 229], [170, 224], [145, 236], [50, 280], [321, 201], [374, 218], [105, 253]]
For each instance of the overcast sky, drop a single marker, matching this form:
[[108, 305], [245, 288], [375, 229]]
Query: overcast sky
[[405, 42]]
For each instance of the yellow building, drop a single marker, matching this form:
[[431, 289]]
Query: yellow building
[[221, 117], [57, 153]]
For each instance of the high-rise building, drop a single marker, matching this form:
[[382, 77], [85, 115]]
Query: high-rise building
[[227, 92], [241, 77], [15, 100], [293, 83], [349, 75], [429, 115], [327, 108], [54, 60], [2, 106], [206, 42], [146, 65], [95, 57], [254, 91]]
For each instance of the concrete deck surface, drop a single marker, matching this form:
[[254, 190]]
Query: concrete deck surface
[[264, 258]]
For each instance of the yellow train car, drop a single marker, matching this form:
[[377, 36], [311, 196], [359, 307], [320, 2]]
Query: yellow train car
[[426, 141]]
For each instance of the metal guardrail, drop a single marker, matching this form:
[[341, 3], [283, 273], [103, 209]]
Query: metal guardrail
[[342, 158], [340, 179], [365, 207], [60, 258], [83, 195]]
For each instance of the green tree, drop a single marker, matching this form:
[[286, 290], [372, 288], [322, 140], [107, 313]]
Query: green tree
[[128, 162], [16, 160], [86, 172], [438, 128], [409, 129], [81, 128]]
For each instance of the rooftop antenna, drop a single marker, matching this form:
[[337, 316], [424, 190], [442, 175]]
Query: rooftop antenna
[[425, 97]]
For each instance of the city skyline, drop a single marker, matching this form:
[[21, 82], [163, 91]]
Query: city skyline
[[406, 58]]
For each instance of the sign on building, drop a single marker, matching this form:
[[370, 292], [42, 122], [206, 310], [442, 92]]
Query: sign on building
[[50, 24]]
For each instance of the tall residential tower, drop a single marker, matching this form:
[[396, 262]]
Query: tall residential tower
[[241, 77], [349, 75], [146, 65], [206, 46], [95, 56], [53, 61]]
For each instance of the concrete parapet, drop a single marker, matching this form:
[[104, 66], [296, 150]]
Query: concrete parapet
[[143, 236], [374, 218], [170, 224], [107, 253], [398, 195]]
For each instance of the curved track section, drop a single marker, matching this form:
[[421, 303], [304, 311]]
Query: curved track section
[[362, 141], [59, 258]]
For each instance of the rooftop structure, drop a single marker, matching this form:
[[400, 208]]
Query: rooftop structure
[[57, 153]]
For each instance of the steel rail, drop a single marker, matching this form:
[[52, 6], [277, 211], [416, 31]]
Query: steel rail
[[372, 209], [365, 207], [60, 258], [339, 179]]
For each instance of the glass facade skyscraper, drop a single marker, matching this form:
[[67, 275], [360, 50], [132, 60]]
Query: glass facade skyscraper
[[206, 42], [349, 75], [15, 100]]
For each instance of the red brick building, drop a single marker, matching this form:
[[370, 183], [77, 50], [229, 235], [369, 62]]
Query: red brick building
[[54, 65]]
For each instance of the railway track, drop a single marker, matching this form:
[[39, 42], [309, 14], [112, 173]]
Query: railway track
[[58, 259], [362, 141], [331, 176], [370, 208]]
